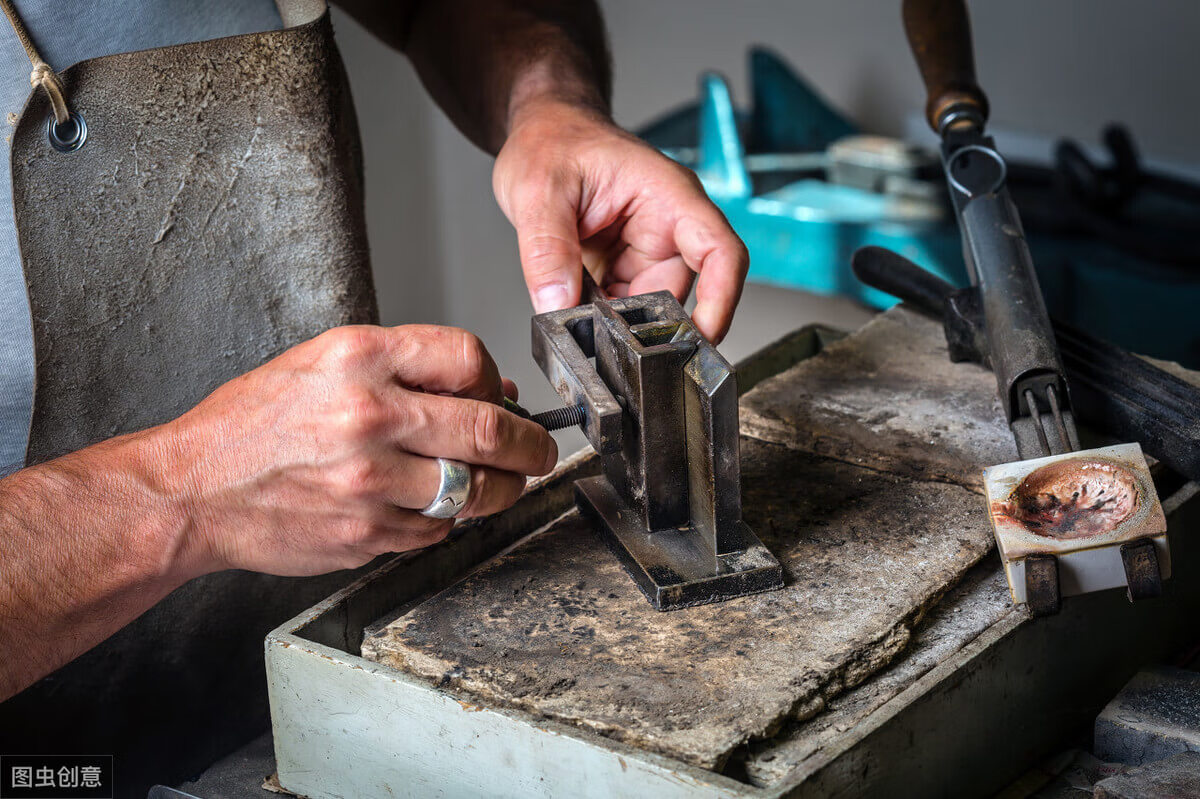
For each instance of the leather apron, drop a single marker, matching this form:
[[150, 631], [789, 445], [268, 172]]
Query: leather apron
[[212, 219]]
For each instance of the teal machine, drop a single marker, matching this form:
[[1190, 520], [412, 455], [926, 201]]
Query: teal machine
[[1116, 245]]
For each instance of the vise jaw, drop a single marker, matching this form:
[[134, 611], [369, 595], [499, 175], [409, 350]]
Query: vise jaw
[[660, 407]]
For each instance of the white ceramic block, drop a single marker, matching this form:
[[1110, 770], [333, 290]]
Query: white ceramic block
[[1080, 507]]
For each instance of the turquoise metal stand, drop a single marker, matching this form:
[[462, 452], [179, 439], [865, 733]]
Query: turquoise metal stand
[[768, 170]]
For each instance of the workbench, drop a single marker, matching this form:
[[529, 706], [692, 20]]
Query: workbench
[[518, 659]]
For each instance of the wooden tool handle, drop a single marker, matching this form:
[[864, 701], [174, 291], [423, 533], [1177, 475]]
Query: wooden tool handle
[[939, 33]]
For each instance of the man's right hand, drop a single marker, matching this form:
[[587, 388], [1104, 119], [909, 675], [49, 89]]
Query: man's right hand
[[318, 460], [321, 458]]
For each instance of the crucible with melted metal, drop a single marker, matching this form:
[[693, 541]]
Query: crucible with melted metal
[[1079, 507], [1074, 498]]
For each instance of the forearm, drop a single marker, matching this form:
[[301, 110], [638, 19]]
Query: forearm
[[485, 61], [530, 80], [320, 459], [88, 542]]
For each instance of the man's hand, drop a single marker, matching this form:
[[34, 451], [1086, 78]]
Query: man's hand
[[579, 190], [315, 461], [322, 458], [530, 80]]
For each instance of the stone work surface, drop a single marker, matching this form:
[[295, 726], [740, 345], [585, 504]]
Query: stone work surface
[[1072, 775], [977, 602], [888, 398], [1156, 715], [1176, 777], [869, 538]]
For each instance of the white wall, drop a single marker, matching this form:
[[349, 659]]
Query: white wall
[[443, 251]]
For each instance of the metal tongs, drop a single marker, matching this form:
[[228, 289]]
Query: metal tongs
[[1056, 535]]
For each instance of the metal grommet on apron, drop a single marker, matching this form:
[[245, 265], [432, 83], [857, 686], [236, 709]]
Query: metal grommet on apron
[[210, 217], [69, 136]]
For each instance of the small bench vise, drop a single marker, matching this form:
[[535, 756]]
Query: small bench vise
[[660, 406]]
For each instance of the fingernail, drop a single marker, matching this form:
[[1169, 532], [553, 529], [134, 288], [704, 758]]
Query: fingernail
[[550, 298]]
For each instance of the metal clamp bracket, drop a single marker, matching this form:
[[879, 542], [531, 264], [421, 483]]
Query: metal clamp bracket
[[660, 407], [1143, 576], [1042, 593]]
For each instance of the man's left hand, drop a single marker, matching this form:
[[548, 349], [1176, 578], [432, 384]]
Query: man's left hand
[[581, 191]]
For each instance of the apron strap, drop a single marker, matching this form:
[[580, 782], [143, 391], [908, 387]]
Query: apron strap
[[43, 76], [292, 12]]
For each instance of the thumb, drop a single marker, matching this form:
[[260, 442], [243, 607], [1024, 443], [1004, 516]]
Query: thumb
[[548, 242]]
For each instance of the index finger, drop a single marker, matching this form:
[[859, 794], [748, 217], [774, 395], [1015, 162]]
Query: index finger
[[713, 251], [474, 432], [444, 360]]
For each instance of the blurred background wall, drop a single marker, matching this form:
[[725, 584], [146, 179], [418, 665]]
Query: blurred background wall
[[444, 253]]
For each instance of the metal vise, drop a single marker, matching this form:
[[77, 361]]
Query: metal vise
[[660, 407]]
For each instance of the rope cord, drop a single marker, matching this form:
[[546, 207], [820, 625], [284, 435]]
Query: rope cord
[[43, 75]]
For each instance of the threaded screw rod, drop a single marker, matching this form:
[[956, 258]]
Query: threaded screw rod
[[559, 418], [554, 419]]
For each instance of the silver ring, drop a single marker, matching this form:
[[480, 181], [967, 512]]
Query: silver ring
[[453, 492]]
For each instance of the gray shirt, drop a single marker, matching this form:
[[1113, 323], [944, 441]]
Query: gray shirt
[[66, 33]]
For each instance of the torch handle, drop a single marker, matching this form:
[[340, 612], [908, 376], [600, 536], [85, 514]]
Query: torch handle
[[939, 33]]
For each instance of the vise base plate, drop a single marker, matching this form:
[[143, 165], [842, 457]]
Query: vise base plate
[[673, 568]]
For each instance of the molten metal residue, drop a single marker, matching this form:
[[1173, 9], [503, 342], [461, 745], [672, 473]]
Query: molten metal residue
[[1073, 499]]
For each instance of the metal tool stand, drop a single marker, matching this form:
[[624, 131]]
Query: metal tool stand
[[1001, 321], [660, 407]]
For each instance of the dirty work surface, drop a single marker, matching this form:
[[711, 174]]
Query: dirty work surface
[[888, 398], [556, 627], [978, 601], [869, 539]]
